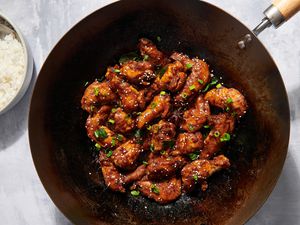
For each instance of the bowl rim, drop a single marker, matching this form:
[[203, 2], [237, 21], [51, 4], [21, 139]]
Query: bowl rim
[[27, 74]]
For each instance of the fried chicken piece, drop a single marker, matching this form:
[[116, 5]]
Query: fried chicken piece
[[164, 166], [137, 174], [184, 59], [159, 107], [195, 117], [112, 177], [105, 137], [131, 98], [97, 94], [161, 133], [195, 82], [227, 98], [199, 170], [222, 124], [162, 192], [148, 49], [121, 121], [187, 143], [138, 72], [94, 121], [173, 79], [125, 155]]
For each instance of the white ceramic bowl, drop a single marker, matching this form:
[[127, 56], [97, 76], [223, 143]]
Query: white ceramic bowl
[[28, 65]]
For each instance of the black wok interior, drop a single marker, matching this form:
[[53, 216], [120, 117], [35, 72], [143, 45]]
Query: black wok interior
[[65, 158]]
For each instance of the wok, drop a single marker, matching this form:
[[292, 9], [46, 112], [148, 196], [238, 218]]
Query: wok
[[62, 152]]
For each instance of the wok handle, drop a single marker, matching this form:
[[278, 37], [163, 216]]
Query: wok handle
[[287, 8], [276, 14]]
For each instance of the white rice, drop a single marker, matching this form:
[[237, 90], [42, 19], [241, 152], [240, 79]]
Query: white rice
[[12, 69]]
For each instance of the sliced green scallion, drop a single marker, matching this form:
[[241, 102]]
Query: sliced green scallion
[[225, 137], [100, 133], [154, 189], [135, 193], [216, 133]]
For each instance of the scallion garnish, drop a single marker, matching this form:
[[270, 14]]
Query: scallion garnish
[[162, 93], [216, 133], [225, 137], [100, 133], [193, 156], [119, 137], [154, 189], [189, 65], [229, 100], [111, 121], [200, 81], [113, 142], [184, 95], [96, 91], [195, 177], [192, 87], [218, 85], [135, 193], [191, 127], [212, 83], [146, 57], [109, 153], [153, 105], [151, 147]]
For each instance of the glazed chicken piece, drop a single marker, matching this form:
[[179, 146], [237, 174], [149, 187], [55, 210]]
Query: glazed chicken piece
[[160, 134], [187, 143], [164, 166], [162, 192], [112, 177], [195, 117], [199, 170], [227, 98], [195, 82], [148, 49], [138, 72], [121, 121], [159, 107], [97, 94], [173, 79], [184, 59], [137, 174], [125, 155], [221, 124], [131, 98], [94, 121], [105, 137]]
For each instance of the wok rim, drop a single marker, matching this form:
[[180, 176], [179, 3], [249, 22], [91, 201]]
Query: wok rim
[[35, 157]]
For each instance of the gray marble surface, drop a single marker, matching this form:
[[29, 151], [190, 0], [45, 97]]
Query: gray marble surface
[[23, 199]]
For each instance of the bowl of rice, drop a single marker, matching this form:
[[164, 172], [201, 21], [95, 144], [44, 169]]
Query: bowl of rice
[[16, 65]]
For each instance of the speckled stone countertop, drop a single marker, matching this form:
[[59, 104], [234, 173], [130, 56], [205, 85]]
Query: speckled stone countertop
[[23, 199]]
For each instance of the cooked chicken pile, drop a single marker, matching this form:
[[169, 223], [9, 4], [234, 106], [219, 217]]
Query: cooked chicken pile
[[151, 120]]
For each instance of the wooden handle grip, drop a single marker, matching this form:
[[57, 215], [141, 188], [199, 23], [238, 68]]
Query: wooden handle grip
[[288, 8]]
